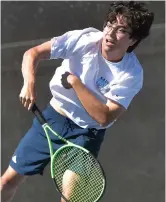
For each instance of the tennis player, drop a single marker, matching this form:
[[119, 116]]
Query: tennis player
[[95, 84]]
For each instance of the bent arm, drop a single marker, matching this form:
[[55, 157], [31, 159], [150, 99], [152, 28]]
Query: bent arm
[[32, 58], [102, 113], [30, 61]]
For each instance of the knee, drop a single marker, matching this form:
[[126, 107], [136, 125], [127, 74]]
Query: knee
[[11, 180], [7, 184]]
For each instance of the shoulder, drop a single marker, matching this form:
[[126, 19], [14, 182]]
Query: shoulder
[[92, 32], [135, 66], [133, 71], [90, 35], [132, 65], [89, 32], [85, 36], [73, 41], [85, 39]]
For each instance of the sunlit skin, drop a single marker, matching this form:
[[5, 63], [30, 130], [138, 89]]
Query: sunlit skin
[[70, 182], [116, 39]]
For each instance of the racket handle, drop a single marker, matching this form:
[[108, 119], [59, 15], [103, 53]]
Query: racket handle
[[38, 114]]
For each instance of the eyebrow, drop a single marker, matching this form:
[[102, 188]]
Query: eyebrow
[[122, 26]]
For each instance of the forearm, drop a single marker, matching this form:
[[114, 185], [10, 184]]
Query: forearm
[[29, 65], [97, 110]]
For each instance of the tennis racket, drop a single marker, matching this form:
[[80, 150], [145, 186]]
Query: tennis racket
[[77, 174]]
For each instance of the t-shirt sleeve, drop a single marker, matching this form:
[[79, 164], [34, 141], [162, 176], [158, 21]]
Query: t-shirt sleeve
[[69, 43], [124, 91], [63, 46]]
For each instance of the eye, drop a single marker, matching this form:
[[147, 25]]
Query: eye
[[122, 30]]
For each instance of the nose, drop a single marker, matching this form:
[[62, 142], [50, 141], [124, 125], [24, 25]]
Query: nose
[[112, 33], [111, 30]]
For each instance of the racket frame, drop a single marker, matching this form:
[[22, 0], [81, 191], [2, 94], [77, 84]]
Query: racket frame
[[46, 127]]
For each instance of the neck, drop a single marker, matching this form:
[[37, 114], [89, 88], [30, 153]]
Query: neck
[[112, 56]]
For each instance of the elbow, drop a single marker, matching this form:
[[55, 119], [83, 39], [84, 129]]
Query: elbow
[[29, 53], [105, 121], [30, 56]]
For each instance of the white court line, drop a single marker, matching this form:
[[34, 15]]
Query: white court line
[[39, 41], [22, 43]]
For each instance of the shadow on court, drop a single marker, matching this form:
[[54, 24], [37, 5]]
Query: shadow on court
[[133, 151]]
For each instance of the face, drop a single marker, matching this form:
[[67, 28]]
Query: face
[[116, 36]]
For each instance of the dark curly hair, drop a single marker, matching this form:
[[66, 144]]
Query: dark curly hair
[[137, 17]]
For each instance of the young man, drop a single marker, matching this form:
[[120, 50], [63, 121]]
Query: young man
[[95, 84]]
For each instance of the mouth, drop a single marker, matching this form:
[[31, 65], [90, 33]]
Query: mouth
[[110, 42]]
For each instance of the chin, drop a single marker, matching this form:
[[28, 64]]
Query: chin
[[108, 48]]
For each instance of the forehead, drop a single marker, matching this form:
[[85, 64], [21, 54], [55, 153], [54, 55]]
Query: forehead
[[121, 21]]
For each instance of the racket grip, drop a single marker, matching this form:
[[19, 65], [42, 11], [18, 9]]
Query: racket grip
[[38, 114]]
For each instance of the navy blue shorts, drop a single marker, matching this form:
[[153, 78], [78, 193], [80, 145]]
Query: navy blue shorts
[[32, 154]]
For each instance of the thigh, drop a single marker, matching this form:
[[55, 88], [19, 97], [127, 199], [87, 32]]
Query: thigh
[[90, 139]]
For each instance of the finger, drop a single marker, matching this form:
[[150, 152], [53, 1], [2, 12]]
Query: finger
[[30, 105], [33, 99], [26, 103], [22, 99], [21, 96]]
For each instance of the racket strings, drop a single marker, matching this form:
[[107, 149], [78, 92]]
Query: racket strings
[[78, 175]]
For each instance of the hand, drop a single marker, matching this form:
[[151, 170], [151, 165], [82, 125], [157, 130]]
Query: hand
[[27, 95], [68, 80]]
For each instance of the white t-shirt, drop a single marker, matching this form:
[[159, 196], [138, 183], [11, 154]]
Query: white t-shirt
[[81, 51]]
